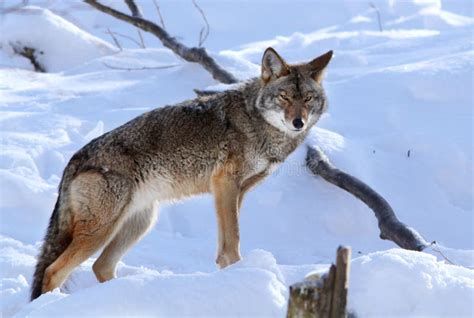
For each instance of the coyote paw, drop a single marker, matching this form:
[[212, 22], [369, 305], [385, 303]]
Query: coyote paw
[[50, 280], [225, 259]]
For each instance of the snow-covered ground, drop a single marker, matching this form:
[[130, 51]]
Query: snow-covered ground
[[400, 118]]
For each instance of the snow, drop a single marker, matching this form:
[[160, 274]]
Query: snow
[[59, 44], [405, 90], [242, 290], [416, 281]]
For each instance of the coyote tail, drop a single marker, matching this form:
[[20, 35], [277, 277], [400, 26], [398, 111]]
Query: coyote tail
[[55, 242]]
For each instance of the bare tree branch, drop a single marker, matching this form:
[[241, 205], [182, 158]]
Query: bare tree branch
[[195, 54], [117, 43], [142, 42], [204, 33], [162, 21], [136, 12], [390, 227]]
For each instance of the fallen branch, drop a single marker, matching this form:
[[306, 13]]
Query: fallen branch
[[30, 54], [390, 227], [195, 54]]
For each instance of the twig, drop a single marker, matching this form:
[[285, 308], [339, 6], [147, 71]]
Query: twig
[[434, 245], [136, 12], [117, 43], [162, 21], [390, 227], [142, 42], [195, 54], [126, 37], [204, 33], [436, 248], [379, 19], [144, 68]]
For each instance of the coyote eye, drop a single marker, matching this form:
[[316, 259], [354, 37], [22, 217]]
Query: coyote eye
[[308, 98], [283, 96]]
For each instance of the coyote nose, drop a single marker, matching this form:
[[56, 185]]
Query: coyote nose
[[298, 123]]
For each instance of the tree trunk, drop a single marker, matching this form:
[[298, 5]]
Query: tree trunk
[[323, 297]]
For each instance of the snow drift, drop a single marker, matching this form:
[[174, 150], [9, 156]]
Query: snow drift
[[58, 43]]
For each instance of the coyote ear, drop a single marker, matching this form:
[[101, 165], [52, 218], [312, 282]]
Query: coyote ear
[[318, 65], [273, 65]]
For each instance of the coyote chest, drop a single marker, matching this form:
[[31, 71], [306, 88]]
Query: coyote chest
[[259, 163]]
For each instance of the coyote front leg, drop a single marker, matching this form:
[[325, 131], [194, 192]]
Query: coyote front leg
[[249, 184], [226, 194]]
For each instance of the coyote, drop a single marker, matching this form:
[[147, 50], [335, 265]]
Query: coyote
[[224, 143]]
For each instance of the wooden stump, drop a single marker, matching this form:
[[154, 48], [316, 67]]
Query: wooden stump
[[326, 296]]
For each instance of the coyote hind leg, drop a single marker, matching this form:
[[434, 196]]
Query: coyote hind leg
[[96, 203], [129, 233], [76, 253]]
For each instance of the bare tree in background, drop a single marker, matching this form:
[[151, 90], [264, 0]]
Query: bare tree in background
[[191, 54]]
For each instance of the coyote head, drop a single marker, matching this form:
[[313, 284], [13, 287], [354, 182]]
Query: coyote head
[[292, 98]]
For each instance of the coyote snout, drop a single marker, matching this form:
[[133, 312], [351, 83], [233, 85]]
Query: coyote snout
[[224, 144], [298, 123]]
